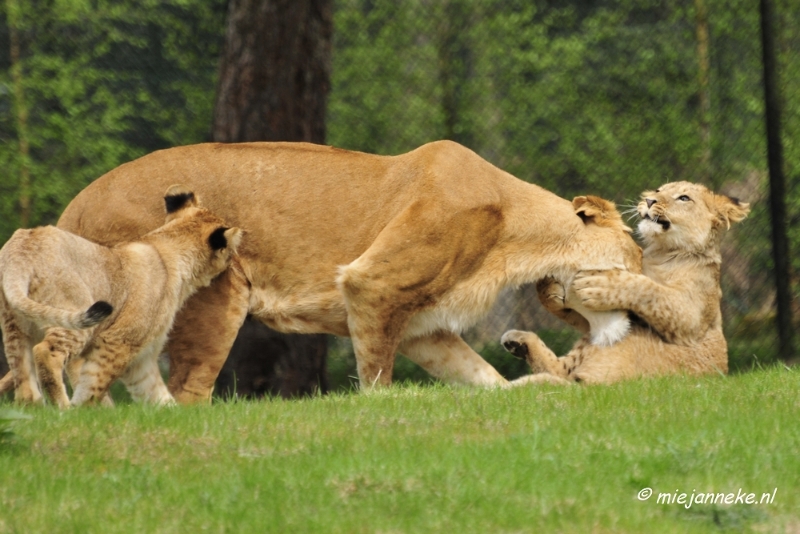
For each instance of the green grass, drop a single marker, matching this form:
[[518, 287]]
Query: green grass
[[417, 459]]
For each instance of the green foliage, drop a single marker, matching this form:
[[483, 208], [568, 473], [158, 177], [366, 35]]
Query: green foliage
[[418, 459], [103, 83], [7, 419]]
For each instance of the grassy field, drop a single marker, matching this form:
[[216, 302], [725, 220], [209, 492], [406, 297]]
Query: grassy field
[[418, 459]]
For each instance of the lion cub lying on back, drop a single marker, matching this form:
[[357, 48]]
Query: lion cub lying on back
[[677, 297], [106, 312]]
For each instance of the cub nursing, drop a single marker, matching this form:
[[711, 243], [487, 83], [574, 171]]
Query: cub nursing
[[104, 312]]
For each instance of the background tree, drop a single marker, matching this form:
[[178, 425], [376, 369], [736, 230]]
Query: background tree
[[273, 85]]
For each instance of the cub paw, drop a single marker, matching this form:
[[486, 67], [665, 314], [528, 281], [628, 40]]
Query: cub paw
[[514, 342]]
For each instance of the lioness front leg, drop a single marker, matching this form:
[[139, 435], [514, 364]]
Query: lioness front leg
[[528, 346], [447, 357], [203, 334], [553, 297]]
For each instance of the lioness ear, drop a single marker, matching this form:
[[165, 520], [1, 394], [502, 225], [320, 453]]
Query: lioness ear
[[730, 210], [592, 209], [179, 197], [225, 237]]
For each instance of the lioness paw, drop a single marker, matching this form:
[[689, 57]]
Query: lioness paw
[[551, 293]]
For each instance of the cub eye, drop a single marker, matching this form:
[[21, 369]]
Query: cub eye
[[684, 198]]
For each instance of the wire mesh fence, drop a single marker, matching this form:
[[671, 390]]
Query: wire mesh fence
[[585, 97], [606, 98]]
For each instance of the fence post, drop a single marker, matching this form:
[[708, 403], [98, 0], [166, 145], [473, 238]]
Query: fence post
[[777, 187]]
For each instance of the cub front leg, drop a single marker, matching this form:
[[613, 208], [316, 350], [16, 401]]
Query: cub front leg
[[528, 346], [670, 311], [106, 362], [143, 378]]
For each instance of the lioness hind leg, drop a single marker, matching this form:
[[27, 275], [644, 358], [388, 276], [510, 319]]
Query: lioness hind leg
[[51, 355], [528, 346], [203, 334], [447, 357]]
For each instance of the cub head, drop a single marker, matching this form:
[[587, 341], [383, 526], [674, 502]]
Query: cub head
[[687, 217], [202, 238], [601, 216]]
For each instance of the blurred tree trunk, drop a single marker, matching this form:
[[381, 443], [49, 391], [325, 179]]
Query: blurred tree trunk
[[273, 86], [704, 67], [20, 112]]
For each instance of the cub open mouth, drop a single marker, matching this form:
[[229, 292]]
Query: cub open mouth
[[665, 224]]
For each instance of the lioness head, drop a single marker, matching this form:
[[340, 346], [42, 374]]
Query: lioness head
[[687, 216], [201, 237], [601, 215]]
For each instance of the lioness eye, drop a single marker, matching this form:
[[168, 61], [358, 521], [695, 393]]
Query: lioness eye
[[684, 198]]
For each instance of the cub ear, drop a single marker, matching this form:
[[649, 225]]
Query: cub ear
[[179, 197], [730, 210], [225, 238], [602, 212]]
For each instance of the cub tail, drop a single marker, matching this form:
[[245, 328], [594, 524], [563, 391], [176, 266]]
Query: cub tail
[[45, 315]]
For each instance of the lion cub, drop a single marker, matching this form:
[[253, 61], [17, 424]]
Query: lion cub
[[105, 312], [675, 302]]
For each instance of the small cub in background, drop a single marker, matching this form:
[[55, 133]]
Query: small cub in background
[[104, 312]]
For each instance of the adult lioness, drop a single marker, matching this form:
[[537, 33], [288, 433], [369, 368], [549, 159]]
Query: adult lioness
[[398, 252], [677, 296], [105, 310]]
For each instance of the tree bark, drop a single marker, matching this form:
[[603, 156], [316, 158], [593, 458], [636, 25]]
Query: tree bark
[[273, 86], [275, 71]]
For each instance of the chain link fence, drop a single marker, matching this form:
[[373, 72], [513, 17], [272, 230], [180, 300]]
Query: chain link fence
[[605, 98]]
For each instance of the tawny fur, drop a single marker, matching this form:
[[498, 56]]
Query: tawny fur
[[50, 278], [677, 297], [399, 252]]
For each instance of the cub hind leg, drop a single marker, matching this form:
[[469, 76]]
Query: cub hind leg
[[58, 347], [17, 345], [528, 346]]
